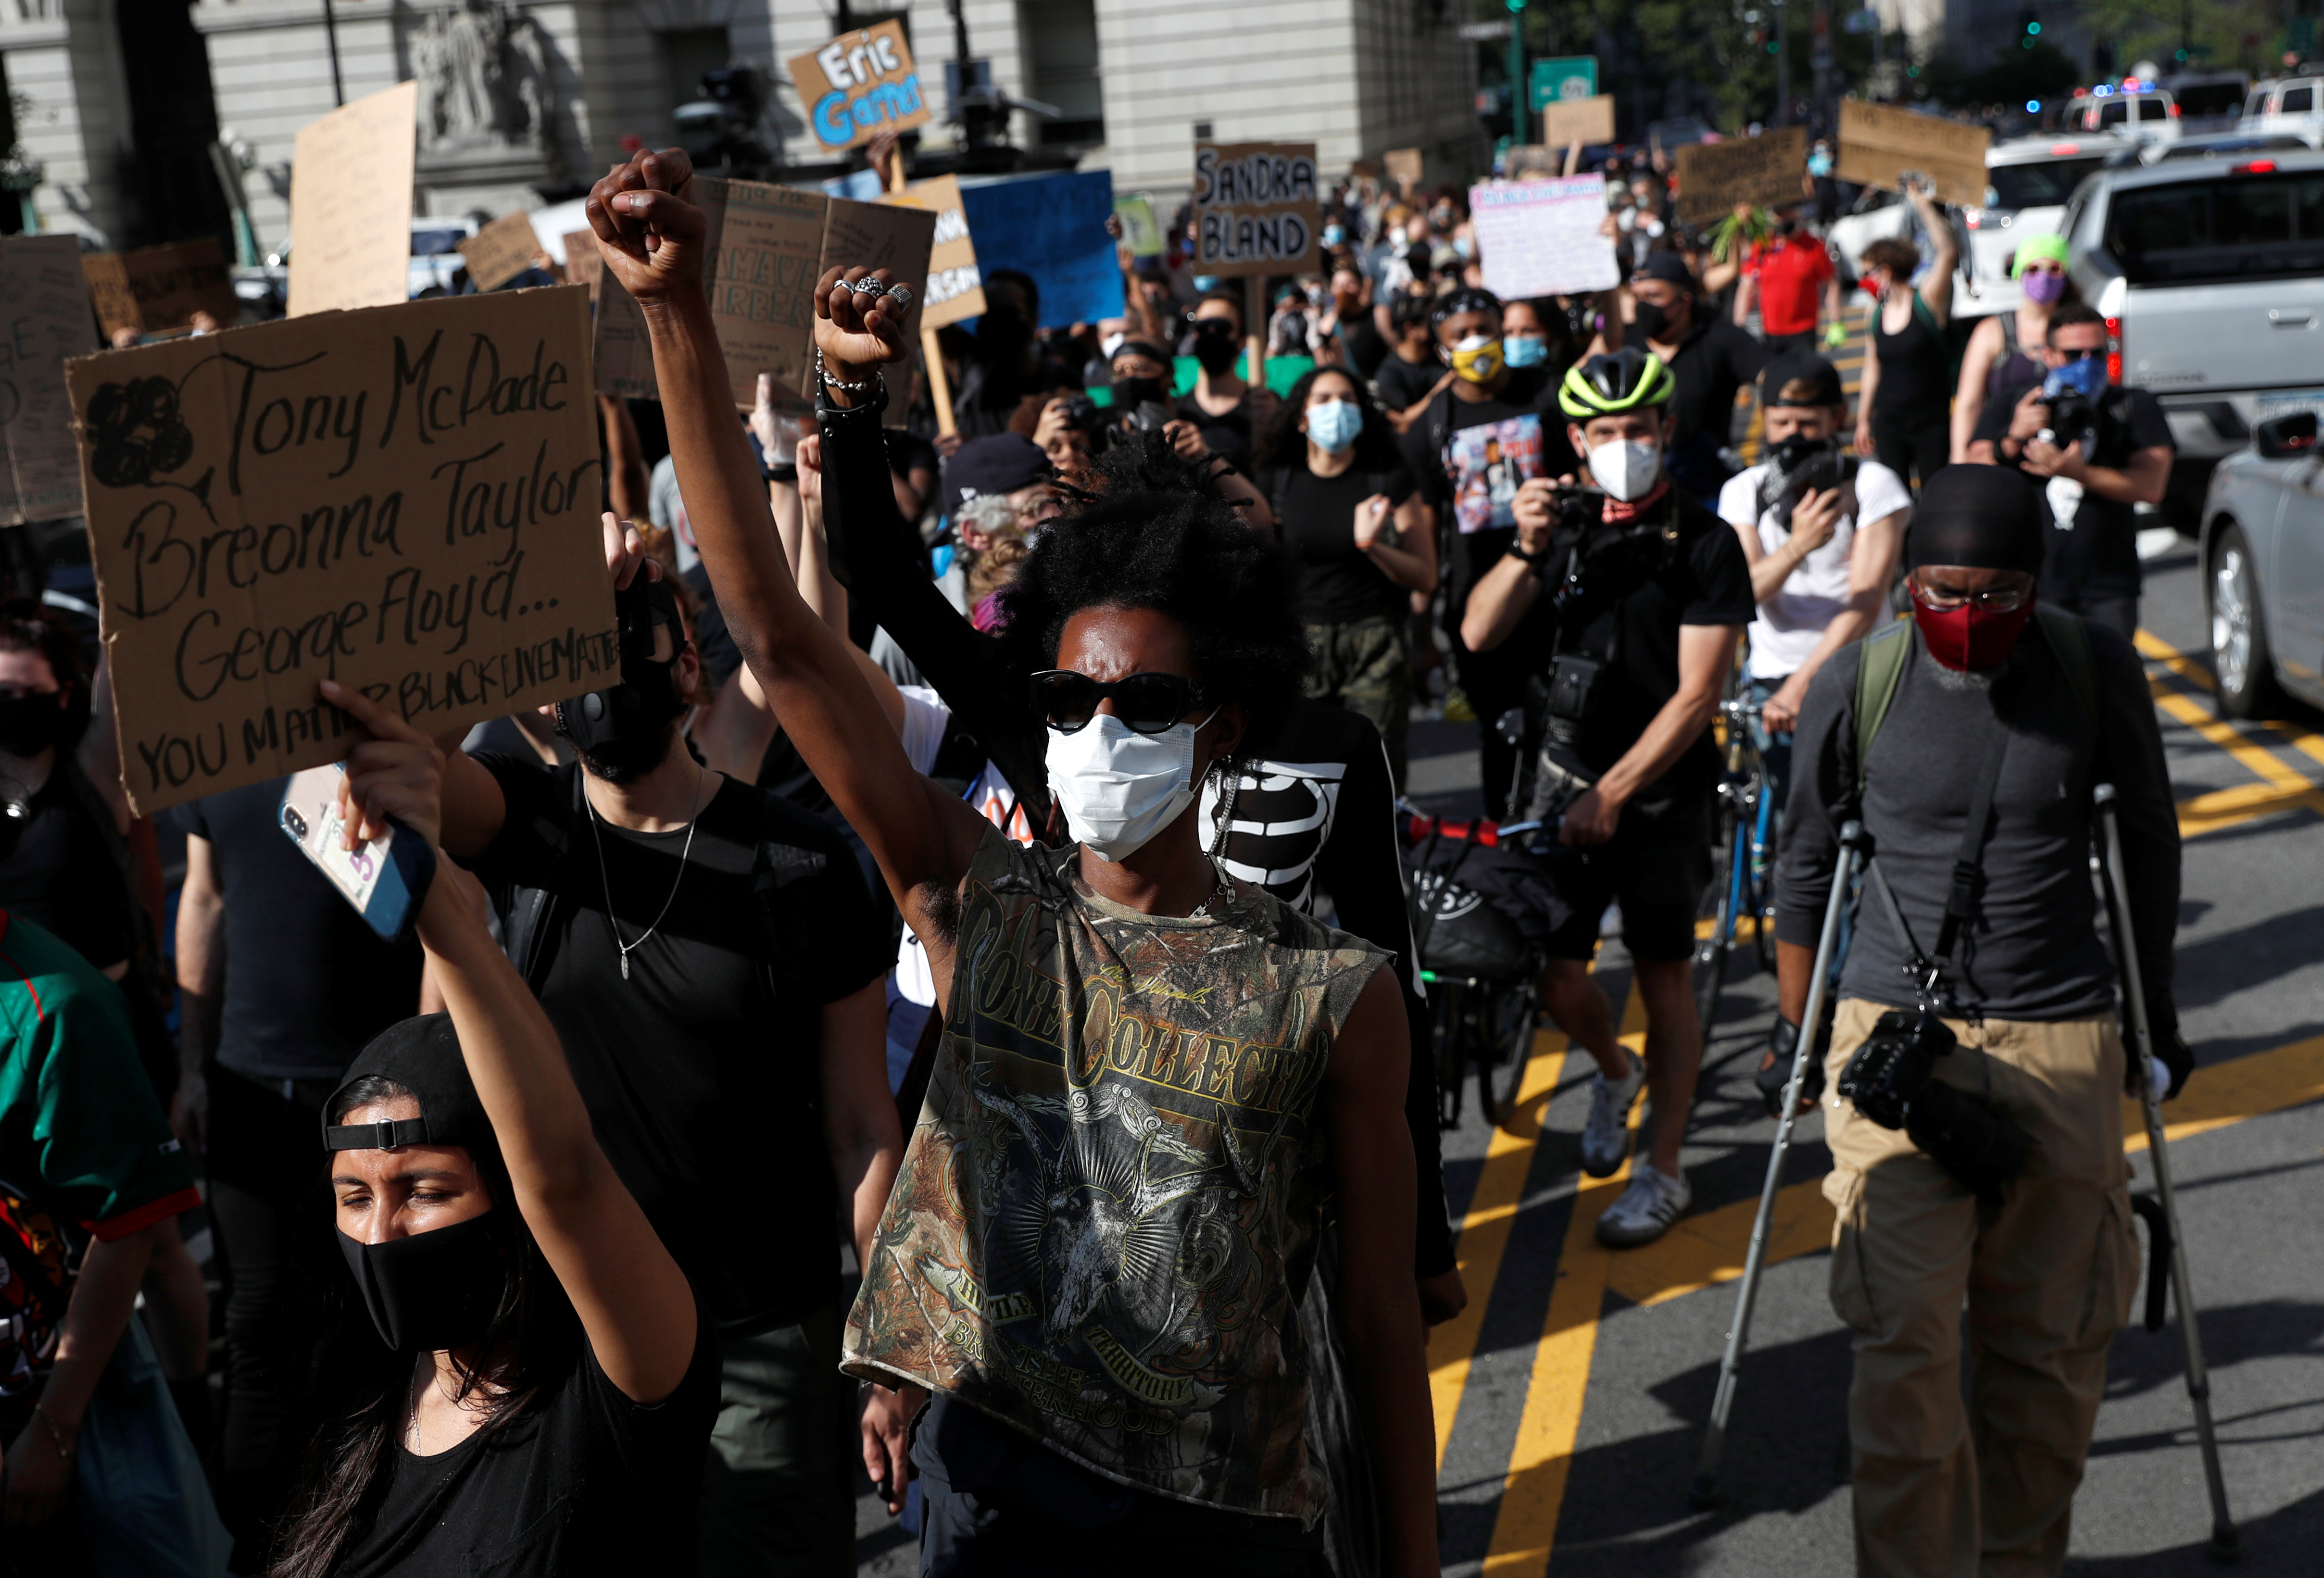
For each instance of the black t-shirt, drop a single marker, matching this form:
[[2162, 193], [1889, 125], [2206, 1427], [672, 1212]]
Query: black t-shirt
[[702, 1070], [1338, 581], [307, 984], [2094, 551], [1230, 434], [581, 1482], [1367, 351], [1404, 384], [1704, 579], [63, 874], [1468, 457], [1714, 361]]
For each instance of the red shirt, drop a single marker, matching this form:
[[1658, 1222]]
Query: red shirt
[[1791, 275]]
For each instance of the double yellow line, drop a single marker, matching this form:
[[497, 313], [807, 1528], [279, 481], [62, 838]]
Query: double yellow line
[[2280, 788]]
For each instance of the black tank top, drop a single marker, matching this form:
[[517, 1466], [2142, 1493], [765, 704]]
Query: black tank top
[[1914, 367]]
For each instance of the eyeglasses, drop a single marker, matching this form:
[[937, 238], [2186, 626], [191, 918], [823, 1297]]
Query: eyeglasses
[[1146, 704], [2005, 598], [2082, 354]]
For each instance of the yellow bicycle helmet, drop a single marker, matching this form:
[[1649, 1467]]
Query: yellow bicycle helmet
[[1621, 381]]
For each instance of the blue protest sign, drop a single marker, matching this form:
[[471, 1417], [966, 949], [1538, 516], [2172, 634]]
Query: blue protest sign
[[1052, 227]]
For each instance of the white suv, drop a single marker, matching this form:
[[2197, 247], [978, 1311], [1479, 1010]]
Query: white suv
[[2295, 104], [2144, 112], [2211, 276]]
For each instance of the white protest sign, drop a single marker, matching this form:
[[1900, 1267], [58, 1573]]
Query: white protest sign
[[1541, 237]]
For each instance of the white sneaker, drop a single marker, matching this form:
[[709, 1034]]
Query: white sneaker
[[1645, 1210], [1606, 1137]]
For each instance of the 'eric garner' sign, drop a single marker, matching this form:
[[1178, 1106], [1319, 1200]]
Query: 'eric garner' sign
[[1762, 171], [1255, 210], [1541, 237], [956, 288], [500, 250], [404, 499], [1877, 144], [858, 85], [351, 204], [43, 319]]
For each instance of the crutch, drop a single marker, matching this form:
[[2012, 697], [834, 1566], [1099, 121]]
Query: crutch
[[1704, 1491], [2226, 1544]]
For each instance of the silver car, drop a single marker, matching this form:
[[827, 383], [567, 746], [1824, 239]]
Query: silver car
[[2263, 557]]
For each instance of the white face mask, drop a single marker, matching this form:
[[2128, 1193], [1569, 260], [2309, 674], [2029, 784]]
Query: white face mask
[[1118, 788], [1628, 470]]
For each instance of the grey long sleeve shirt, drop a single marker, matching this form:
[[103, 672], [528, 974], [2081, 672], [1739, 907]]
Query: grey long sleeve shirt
[[2033, 948]]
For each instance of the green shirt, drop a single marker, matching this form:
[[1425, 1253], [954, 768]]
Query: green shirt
[[80, 1129]]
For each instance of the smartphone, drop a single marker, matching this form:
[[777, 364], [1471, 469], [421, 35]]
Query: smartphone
[[385, 879]]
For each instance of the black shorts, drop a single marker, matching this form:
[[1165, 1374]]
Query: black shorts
[[1656, 866]]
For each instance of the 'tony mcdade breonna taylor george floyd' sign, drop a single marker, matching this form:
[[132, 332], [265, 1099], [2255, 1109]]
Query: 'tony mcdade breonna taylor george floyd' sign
[[1255, 211], [403, 499]]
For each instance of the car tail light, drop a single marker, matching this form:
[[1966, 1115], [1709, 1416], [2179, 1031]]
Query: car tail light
[[2256, 167], [2173, 110], [2113, 350], [2065, 150]]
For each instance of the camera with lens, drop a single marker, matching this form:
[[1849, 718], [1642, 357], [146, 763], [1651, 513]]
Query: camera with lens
[[1891, 1080], [2072, 392], [1798, 466], [1088, 418]]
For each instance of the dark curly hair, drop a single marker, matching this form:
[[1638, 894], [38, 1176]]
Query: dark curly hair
[[1149, 529]]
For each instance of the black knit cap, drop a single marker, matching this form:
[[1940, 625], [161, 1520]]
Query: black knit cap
[[423, 1055], [1979, 517]]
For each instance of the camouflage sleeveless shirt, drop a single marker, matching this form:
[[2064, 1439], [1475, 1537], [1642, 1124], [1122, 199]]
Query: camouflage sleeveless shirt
[[1107, 1215]]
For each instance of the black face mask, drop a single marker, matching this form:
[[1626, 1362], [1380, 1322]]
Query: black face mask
[[622, 732], [1651, 320], [32, 723], [1215, 348], [428, 1291], [1129, 394], [1789, 455]]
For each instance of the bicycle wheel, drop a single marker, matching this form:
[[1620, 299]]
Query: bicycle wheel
[[1445, 1013], [1714, 924], [1512, 1018], [1764, 890]]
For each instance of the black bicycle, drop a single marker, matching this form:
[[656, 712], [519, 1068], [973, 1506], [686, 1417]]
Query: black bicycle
[[1741, 892], [1483, 979]]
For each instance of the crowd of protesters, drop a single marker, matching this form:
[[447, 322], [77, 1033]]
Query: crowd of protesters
[[981, 885]]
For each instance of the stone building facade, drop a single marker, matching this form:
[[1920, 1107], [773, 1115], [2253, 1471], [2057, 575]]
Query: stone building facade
[[118, 100]]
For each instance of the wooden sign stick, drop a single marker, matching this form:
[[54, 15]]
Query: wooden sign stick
[[1254, 327], [939, 386]]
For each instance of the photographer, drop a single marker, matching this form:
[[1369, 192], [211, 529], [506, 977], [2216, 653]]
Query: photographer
[[1821, 530], [1647, 591], [1916, 731], [2096, 451]]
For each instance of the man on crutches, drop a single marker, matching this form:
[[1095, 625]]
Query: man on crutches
[[1977, 1064]]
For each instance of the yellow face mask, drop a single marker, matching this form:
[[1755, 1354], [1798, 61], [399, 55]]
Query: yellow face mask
[[1477, 359]]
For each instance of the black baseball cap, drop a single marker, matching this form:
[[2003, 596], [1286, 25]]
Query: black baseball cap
[[422, 1054], [1000, 463], [1668, 267], [1137, 345], [1801, 378]]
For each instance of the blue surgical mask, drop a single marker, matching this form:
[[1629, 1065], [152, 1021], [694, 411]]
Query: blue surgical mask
[[1819, 163], [1204, 282], [1525, 350], [1335, 424], [1336, 235]]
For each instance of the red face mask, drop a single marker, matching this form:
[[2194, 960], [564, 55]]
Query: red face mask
[[1969, 637]]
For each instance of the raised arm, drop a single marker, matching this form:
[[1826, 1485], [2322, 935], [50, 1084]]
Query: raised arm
[[633, 1301], [654, 239]]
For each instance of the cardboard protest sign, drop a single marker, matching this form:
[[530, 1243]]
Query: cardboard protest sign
[[500, 250], [956, 289], [1255, 208], [1762, 171], [153, 288], [1053, 229], [1879, 143], [403, 500], [351, 205], [1578, 120], [43, 319], [620, 357], [1139, 230], [1541, 237], [1403, 166], [858, 85]]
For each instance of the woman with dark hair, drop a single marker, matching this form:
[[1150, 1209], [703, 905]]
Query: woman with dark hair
[[1151, 1075], [524, 1383], [1902, 410], [1348, 512]]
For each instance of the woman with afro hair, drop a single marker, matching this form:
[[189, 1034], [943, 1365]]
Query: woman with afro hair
[[1152, 1077]]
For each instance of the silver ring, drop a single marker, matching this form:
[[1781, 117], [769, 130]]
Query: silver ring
[[901, 297], [867, 286]]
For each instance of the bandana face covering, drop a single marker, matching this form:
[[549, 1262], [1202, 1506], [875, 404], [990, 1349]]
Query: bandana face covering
[[1117, 788], [1969, 637], [430, 1291]]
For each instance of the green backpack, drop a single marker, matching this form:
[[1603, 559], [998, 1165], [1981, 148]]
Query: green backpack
[[1883, 665]]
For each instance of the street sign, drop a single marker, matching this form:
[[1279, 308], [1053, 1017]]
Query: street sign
[[1563, 77], [1484, 32]]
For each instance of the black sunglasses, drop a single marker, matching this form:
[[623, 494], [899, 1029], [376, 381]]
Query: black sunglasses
[[1146, 704], [2083, 354]]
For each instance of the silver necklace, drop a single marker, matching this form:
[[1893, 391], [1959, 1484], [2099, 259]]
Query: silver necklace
[[613, 922], [1229, 779]]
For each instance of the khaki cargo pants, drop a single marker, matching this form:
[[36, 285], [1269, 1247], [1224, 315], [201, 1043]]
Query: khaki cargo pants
[[2043, 1283], [1365, 667]]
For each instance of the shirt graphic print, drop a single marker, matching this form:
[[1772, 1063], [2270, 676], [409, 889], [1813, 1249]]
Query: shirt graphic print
[[1486, 464], [1108, 1210]]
